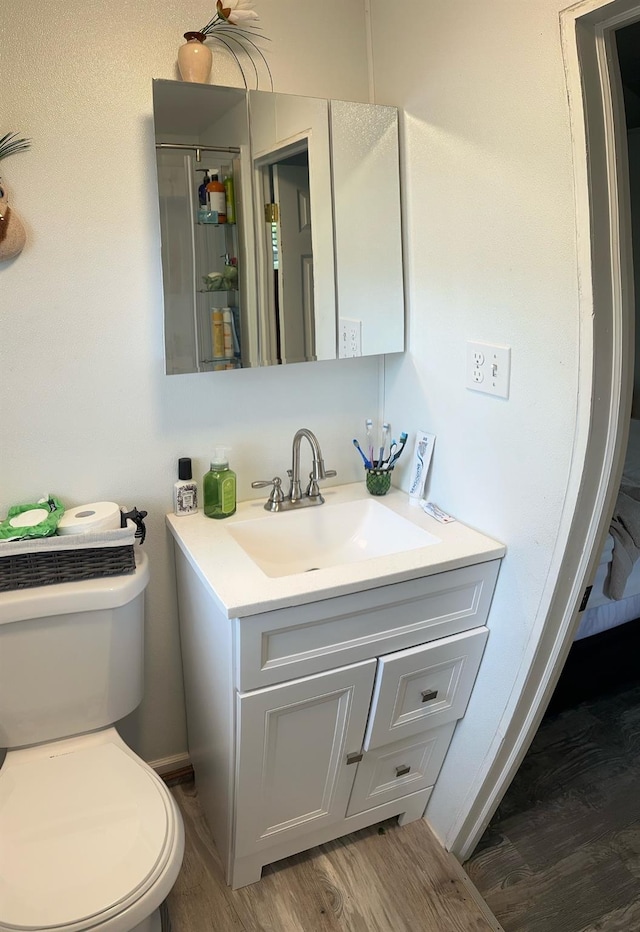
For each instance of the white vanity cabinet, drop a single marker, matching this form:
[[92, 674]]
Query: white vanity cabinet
[[311, 721]]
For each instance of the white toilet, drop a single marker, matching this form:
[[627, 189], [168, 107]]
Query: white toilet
[[90, 837]]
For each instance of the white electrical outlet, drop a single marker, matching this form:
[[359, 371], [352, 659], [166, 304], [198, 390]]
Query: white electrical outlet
[[489, 368], [350, 338]]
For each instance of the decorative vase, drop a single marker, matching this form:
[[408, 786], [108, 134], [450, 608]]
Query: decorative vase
[[195, 58]]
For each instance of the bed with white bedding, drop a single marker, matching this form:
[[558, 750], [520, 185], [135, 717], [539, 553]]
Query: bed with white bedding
[[604, 613]]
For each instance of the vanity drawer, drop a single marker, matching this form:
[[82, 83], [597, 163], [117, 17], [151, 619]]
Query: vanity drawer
[[385, 774], [273, 647], [423, 687]]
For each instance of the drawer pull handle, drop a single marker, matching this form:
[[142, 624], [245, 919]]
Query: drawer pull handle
[[429, 694], [354, 758], [402, 770]]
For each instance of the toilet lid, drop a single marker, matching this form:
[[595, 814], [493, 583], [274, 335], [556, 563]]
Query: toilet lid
[[86, 830]]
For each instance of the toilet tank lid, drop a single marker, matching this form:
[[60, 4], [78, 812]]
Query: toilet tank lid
[[84, 595]]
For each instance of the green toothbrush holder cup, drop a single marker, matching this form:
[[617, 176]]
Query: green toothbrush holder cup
[[378, 480]]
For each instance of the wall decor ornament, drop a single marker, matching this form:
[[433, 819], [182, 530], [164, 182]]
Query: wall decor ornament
[[12, 232], [233, 26]]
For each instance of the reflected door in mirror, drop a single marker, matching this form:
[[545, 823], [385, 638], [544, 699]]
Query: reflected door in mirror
[[287, 244]]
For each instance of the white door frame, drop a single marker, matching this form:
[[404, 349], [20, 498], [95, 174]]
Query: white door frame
[[606, 315]]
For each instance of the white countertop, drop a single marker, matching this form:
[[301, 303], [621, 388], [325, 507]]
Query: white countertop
[[240, 587]]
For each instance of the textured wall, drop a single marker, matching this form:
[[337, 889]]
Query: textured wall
[[491, 256], [85, 409]]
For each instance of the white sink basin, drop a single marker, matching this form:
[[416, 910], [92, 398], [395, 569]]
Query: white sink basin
[[321, 536]]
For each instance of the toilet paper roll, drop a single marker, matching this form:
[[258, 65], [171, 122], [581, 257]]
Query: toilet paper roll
[[96, 516]]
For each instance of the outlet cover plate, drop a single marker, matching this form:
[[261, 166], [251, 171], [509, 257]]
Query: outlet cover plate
[[488, 368], [350, 338]]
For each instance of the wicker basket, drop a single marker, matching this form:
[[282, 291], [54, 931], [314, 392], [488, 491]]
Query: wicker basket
[[21, 571], [59, 560]]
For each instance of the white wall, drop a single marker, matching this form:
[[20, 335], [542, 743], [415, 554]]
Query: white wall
[[85, 409], [491, 256]]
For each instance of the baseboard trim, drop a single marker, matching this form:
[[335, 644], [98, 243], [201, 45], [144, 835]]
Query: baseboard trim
[[174, 769]]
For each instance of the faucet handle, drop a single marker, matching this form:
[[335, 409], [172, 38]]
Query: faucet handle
[[276, 495], [263, 483], [330, 473]]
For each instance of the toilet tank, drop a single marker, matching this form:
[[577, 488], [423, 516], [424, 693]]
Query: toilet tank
[[71, 656]]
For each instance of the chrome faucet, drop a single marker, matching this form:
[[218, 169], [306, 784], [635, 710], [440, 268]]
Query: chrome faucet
[[295, 498]]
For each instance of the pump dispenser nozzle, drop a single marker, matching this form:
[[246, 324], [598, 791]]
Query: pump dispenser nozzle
[[220, 457]]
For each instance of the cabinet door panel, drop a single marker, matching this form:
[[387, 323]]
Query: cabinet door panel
[[423, 687], [293, 742], [399, 769]]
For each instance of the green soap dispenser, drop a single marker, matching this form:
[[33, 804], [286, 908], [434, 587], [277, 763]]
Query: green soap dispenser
[[219, 487]]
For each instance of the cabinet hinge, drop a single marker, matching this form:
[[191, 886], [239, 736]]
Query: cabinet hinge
[[585, 598], [270, 213]]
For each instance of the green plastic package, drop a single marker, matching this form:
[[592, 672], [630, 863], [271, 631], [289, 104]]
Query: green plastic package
[[21, 525]]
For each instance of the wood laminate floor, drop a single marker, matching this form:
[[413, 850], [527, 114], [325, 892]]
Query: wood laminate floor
[[562, 853], [381, 879]]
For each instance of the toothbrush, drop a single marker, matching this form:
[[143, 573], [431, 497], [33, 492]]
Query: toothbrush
[[366, 462], [389, 460], [396, 456], [369, 426], [383, 441]]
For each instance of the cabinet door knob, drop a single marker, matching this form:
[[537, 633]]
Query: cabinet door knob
[[402, 770], [354, 758], [429, 694]]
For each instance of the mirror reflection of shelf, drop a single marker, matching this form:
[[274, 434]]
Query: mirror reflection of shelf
[[223, 362], [197, 248]]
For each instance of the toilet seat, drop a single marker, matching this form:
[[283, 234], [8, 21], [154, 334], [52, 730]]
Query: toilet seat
[[86, 824]]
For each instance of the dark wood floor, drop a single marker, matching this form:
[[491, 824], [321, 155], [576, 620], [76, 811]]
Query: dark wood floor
[[562, 853], [387, 879]]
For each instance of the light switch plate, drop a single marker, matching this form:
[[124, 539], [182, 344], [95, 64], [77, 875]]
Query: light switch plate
[[488, 368]]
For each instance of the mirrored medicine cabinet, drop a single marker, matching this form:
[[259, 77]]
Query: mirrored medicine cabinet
[[301, 258]]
